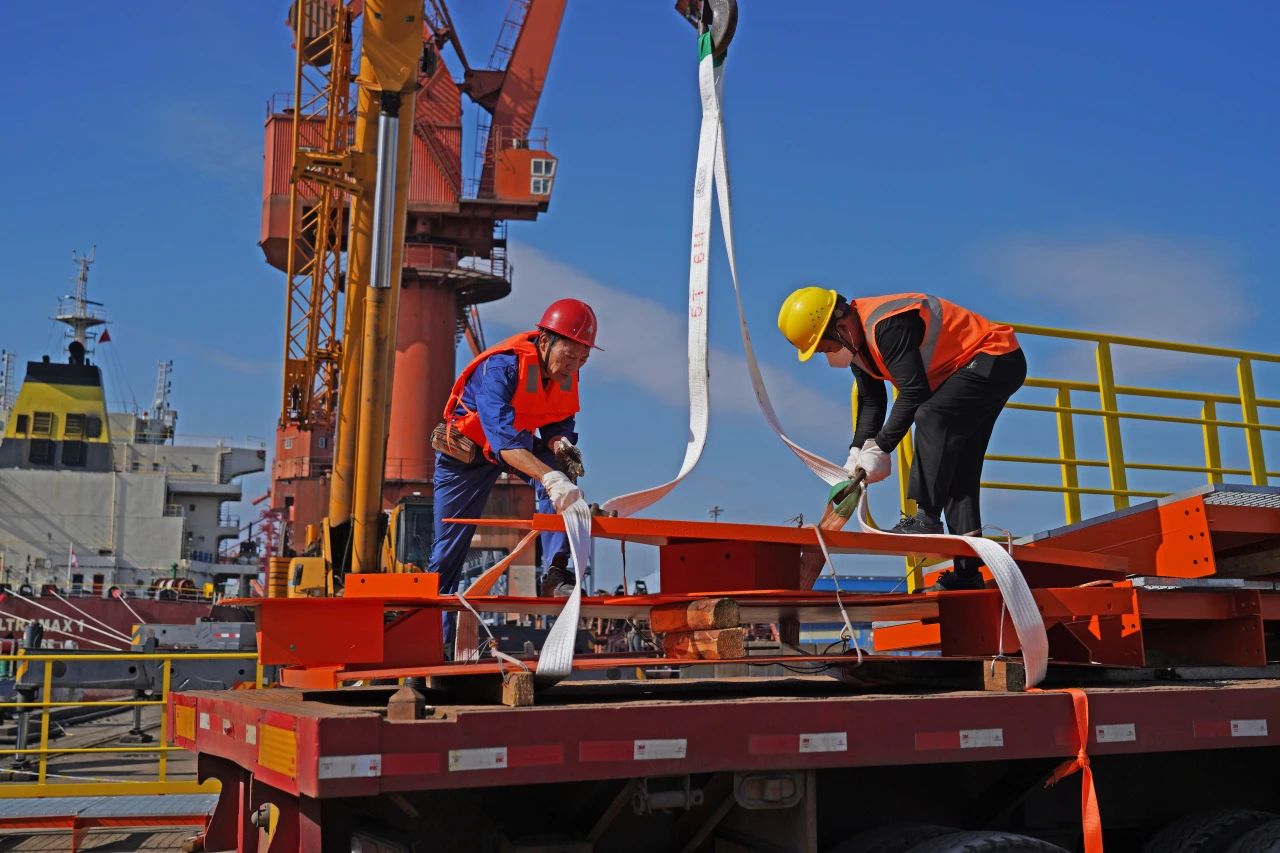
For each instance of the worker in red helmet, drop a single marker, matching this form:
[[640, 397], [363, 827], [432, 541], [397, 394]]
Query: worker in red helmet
[[512, 410]]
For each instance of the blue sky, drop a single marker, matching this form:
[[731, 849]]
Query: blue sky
[[1090, 165]]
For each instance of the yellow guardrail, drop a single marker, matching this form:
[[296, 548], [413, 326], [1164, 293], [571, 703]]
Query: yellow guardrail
[[1118, 404], [87, 786]]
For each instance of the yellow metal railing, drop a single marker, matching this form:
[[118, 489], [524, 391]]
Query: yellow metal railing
[[86, 786], [1113, 413]]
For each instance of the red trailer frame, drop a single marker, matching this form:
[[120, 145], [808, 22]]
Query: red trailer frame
[[765, 763]]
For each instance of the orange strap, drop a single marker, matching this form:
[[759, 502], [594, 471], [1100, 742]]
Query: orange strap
[[1090, 818]]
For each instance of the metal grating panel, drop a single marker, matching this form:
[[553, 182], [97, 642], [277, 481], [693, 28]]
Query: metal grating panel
[[1228, 497], [157, 805]]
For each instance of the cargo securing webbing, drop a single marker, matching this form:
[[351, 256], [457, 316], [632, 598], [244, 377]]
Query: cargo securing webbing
[[555, 662], [712, 170], [556, 659]]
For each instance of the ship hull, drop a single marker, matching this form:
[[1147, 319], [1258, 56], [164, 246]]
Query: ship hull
[[98, 623]]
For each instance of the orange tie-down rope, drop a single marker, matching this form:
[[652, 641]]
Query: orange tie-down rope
[[1090, 818]]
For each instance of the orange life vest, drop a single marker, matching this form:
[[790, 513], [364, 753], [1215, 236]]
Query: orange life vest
[[535, 405], [953, 336]]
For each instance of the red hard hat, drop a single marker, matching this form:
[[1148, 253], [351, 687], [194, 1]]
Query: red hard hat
[[571, 318]]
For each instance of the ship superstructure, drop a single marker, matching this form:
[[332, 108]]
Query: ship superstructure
[[92, 499]]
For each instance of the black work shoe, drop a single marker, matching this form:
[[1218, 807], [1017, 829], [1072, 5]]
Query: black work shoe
[[950, 582], [916, 525], [557, 583]]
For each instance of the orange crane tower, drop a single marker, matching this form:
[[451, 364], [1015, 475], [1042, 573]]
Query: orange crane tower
[[450, 256]]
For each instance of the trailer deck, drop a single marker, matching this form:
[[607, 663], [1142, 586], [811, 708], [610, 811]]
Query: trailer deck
[[1162, 650]]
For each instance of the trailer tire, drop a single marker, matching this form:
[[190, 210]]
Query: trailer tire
[[985, 842], [893, 838], [1262, 839], [1206, 832]]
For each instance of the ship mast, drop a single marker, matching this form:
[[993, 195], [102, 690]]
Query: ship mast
[[74, 310], [8, 380]]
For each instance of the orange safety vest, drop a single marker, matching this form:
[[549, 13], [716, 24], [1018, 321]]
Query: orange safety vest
[[535, 404], [953, 336]]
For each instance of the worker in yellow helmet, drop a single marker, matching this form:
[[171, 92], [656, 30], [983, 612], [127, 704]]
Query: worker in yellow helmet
[[954, 370]]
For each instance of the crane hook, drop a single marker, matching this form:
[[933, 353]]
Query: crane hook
[[718, 16]]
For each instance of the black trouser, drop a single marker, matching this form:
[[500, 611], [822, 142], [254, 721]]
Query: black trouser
[[952, 429]]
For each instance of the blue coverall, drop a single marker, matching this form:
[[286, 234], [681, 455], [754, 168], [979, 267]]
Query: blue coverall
[[461, 490]]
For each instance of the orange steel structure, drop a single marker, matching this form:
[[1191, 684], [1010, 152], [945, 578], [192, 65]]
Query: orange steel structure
[[1146, 604], [453, 257], [1184, 576]]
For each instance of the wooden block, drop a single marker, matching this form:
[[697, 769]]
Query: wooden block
[[700, 615], [517, 689], [714, 644], [1004, 676]]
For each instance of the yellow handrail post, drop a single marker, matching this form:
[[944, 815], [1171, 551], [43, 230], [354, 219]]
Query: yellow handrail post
[[46, 692], [906, 453], [166, 671], [1111, 425], [1067, 449], [1212, 452], [1249, 414]]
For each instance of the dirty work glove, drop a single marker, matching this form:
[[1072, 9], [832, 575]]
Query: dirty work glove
[[871, 459], [562, 493], [570, 459]]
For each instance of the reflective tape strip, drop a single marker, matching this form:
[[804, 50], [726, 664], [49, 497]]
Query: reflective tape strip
[[1248, 728], [184, 721], [278, 750], [824, 742], [660, 750], [349, 766], [1229, 728], [1211, 728], [410, 763], [485, 758], [963, 739], [606, 750], [1116, 733], [535, 755], [981, 738]]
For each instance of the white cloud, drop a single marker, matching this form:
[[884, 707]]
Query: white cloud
[[238, 364], [1145, 286], [645, 344], [219, 146]]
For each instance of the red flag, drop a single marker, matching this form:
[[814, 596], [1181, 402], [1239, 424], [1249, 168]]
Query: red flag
[[105, 338]]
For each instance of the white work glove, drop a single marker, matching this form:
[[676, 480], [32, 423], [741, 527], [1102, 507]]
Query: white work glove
[[563, 494], [870, 458]]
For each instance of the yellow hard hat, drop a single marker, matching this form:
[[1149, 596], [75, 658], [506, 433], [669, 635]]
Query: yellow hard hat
[[804, 317]]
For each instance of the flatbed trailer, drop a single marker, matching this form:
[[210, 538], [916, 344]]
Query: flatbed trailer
[[1160, 711], [800, 762]]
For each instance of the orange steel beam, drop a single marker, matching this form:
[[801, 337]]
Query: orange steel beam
[[1200, 605], [349, 622], [662, 532], [589, 663]]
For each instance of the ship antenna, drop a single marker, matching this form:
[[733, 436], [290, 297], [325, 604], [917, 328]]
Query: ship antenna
[[75, 310]]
